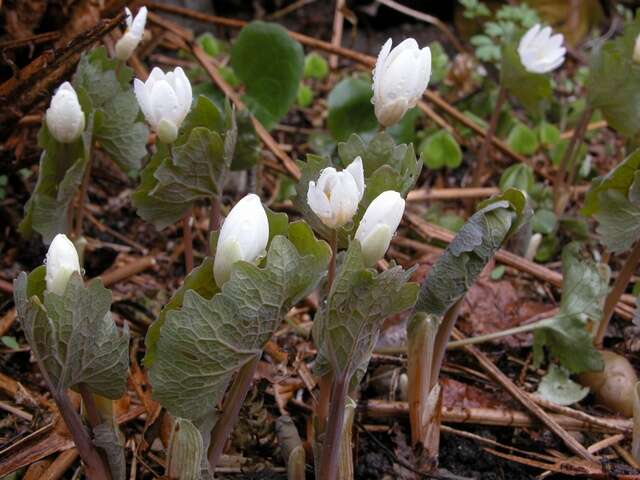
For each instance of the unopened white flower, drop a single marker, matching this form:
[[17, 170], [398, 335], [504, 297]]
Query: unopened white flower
[[636, 50], [541, 52], [399, 79], [64, 117], [165, 100], [335, 198], [378, 225], [62, 261], [243, 236], [133, 35]]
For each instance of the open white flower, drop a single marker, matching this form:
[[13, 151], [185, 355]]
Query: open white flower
[[133, 35], [335, 198], [378, 225], [636, 50], [399, 79], [62, 261], [243, 236], [541, 52], [64, 117], [165, 100]]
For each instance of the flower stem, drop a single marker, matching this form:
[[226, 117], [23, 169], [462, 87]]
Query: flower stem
[[559, 194], [442, 339], [214, 219], [231, 409], [478, 172], [333, 243], [619, 286], [331, 446], [82, 196], [188, 240], [90, 405]]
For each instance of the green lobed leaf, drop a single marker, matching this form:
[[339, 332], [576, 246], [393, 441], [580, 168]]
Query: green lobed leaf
[[315, 66], [59, 176], [531, 89], [523, 139], [612, 78], [204, 341], [248, 146], [73, 335], [544, 221], [186, 451], [440, 150], [585, 285], [350, 108], [467, 254], [194, 167], [111, 107], [347, 326], [518, 175], [557, 387], [271, 77]]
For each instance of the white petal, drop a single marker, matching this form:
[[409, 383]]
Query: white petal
[[389, 113], [128, 17], [344, 199], [318, 202], [64, 117], [137, 27], [387, 208], [164, 103], [377, 71], [62, 261], [357, 172], [183, 91], [528, 37], [144, 101]]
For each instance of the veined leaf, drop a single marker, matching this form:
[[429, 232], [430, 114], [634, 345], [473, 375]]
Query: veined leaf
[[111, 107], [59, 176], [475, 244], [347, 327], [585, 285], [73, 335], [557, 387], [350, 109], [194, 168], [612, 75], [272, 76], [204, 341]]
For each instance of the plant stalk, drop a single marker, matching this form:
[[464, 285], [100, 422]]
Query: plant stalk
[[442, 338], [82, 196], [529, 327], [333, 243], [331, 445], [558, 185], [187, 239], [214, 219], [478, 172], [230, 411], [619, 286], [93, 415]]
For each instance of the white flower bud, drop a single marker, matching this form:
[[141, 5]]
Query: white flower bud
[[243, 236], [165, 100], [399, 79], [336, 196], [62, 261], [541, 52], [636, 50], [133, 35], [64, 117], [378, 225]]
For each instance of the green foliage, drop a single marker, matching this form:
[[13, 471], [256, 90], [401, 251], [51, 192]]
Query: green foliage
[[544, 221], [59, 176], [73, 336], [186, 450], [437, 216], [549, 134], [509, 22], [193, 168], [210, 44], [439, 63], [518, 175], [557, 387], [204, 341], [405, 130], [614, 200], [271, 77], [559, 149], [531, 89], [315, 66], [584, 286], [248, 146], [612, 78], [305, 95], [523, 139], [109, 105], [440, 150], [347, 326], [350, 108], [467, 254]]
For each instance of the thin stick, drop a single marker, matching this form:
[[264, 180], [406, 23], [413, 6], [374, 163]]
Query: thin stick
[[187, 240], [578, 133], [495, 335], [233, 403], [619, 286], [82, 196], [336, 37], [331, 446], [479, 169], [129, 270]]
